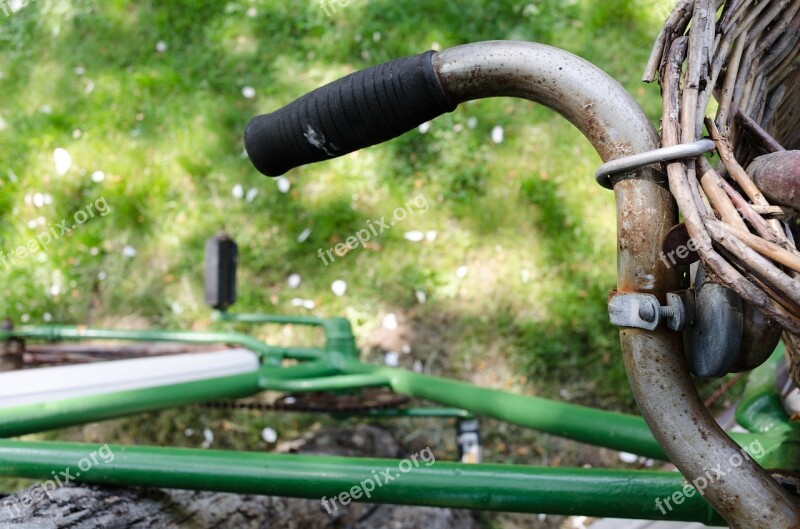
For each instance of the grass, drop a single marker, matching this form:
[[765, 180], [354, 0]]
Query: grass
[[151, 94]]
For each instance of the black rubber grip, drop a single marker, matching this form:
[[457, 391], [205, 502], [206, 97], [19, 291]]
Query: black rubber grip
[[362, 109]]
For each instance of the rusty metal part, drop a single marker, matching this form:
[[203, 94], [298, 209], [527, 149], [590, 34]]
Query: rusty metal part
[[591, 100], [616, 126], [10, 350], [11, 355], [322, 402], [30, 355]]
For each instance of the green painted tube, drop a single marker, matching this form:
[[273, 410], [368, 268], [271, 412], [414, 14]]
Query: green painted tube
[[614, 430], [334, 383], [40, 417], [605, 428], [31, 418], [338, 331], [309, 370], [510, 488]]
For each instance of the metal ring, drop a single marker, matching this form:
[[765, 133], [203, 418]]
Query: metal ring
[[665, 154]]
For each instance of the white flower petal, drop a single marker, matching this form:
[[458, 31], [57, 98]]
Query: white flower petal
[[283, 184], [294, 281], [62, 160], [306, 303], [269, 435], [208, 438], [391, 359], [390, 321], [498, 134], [339, 287], [303, 237], [414, 236]]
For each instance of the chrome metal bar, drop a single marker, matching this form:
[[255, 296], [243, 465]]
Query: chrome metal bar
[[664, 154], [617, 127]]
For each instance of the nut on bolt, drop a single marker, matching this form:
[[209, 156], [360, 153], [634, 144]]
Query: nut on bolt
[[643, 311]]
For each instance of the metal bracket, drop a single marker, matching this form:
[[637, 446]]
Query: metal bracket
[[665, 154], [643, 311]]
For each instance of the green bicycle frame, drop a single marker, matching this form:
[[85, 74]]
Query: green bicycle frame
[[335, 367]]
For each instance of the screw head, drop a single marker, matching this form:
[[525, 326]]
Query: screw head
[[647, 311]]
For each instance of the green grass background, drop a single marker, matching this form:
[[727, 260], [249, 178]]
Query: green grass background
[[166, 129]]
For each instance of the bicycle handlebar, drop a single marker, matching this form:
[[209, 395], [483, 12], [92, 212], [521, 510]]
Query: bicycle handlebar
[[365, 108], [385, 101]]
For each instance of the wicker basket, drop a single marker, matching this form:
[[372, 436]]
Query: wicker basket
[[742, 57]]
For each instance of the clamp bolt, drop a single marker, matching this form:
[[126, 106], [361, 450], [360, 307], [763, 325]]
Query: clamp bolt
[[645, 312]]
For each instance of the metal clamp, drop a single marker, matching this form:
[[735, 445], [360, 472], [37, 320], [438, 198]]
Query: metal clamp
[[665, 154], [643, 311]]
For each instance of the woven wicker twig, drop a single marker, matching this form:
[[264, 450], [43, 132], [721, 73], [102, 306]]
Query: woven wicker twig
[[745, 55]]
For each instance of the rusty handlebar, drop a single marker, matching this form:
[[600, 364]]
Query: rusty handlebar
[[384, 101]]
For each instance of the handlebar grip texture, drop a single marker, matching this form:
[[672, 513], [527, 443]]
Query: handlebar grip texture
[[362, 109]]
